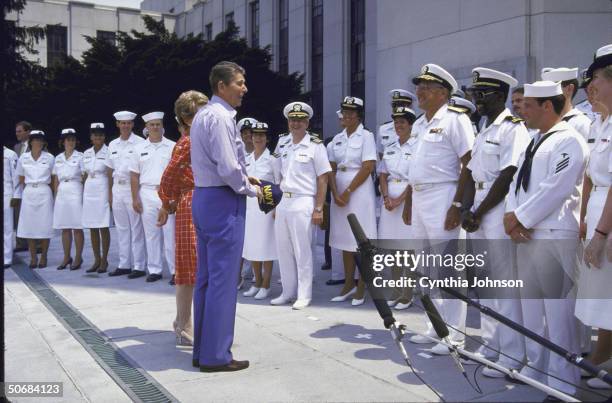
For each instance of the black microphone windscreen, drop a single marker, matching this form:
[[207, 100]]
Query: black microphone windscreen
[[434, 316]]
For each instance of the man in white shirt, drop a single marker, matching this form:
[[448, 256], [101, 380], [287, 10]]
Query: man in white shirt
[[11, 181]]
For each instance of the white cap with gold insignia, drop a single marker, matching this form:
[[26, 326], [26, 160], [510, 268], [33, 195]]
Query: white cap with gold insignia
[[298, 110], [260, 127], [153, 116], [484, 78], [246, 123], [543, 89], [434, 73], [399, 94], [351, 103]]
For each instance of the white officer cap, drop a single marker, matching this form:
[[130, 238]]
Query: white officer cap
[[560, 74], [403, 112], [68, 131], [433, 72], [351, 103], [603, 58], [37, 134], [339, 113], [399, 94], [299, 110], [543, 89], [260, 127], [246, 123], [459, 93], [153, 116], [97, 126], [463, 104], [484, 78], [124, 115]]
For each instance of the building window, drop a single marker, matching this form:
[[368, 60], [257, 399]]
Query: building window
[[254, 24], [106, 36], [316, 60], [357, 58], [208, 32], [283, 37], [57, 44], [229, 20]]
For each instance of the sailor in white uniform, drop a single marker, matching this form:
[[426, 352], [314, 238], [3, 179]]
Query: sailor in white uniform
[[352, 154], [386, 132], [97, 214], [542, 216], [149, 161], [67, 182], [437, 176], [36, 217], [498, 145], [259, 240], [130, 234], [11, 182], [569, 84], [303, 166]]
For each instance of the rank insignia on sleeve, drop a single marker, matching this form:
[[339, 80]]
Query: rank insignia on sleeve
[[563, 163]]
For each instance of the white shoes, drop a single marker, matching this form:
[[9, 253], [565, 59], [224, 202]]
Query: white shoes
[[482, 352], [392, 302], [419, 339], [262, 293], [342, 298], [596, 383], [400, 306], [240, 284], [281, 300], [301, 304], [441, 349], [251, 291], [357, 302]]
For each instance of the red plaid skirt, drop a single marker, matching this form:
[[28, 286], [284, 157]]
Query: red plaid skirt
[[185, 238]]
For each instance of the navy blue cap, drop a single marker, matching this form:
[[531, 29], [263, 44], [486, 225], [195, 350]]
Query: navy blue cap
[[272, 195]]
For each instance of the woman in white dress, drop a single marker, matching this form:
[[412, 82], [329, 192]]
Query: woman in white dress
[[352, 154], [67, 184], [259, 242], [97, 211], [394, 188], [594, 299], [36, 217]]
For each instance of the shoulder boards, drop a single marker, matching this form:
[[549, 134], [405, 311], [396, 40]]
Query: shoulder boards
[[276, 155], [388, 121], [314, 134], [513, 119], [282, 135], [315, 139], [456, 109]]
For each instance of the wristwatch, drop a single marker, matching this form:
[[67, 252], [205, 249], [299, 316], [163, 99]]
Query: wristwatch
[[318, 209], [457, 204]]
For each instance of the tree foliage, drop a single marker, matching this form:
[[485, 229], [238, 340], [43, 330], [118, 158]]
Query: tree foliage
[[146, 72]]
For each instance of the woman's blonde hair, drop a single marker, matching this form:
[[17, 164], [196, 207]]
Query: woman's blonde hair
[[187, 104]]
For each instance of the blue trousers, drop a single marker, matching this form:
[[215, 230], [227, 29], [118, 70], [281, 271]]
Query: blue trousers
[[218, 217]]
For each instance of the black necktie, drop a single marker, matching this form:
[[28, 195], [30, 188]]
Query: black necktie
[[525, 171]]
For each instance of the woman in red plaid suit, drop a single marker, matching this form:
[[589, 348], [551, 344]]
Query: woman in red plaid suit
[[176, 192]]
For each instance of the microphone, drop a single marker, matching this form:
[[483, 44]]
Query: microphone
[[441, 329]]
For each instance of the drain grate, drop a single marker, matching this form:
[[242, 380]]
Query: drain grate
[[135, 382]]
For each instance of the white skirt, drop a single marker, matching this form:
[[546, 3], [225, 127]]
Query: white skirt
[[68, 206], [96, 208], [362, 203], [391, 225], [594, 298], [259, 240], [36, 215]]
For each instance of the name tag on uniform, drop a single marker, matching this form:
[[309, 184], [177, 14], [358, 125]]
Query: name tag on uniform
[[339, 143], [605, 140], [590, 140], [114, 152], [491, 142], [390, 152], [302, 157], [130, 151], [385, 137], [437, 130], [143, 154], [101, 158]]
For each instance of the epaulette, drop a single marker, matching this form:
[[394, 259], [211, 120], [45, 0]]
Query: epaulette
[[283, 135], [513, 119], [317, 135], [276, 155], [457, 109], [389, 121], [315, 138]]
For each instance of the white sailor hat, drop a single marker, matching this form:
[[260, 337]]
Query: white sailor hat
[[559, 74], [399, 94], [403, 112], [339, 113], [97, 126], [603, 58], [246, 123], [543, 89], [67, 132], [351, 103], [463, 104], [484, 78], [260, 127], [36, 134], [153, 116], [299, 110], [124, 115], [435, 73]]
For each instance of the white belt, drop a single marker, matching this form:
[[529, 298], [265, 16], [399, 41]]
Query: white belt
[[483, 185], [36, 184], [71, 180], [121, 182], [424, 186], [150, 187], [345, 169], [397, 180], [293, 195], [597, 188]]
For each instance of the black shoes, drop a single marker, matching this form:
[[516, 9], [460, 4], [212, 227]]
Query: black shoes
[[77, 267], [119, 272], [172, 282], [326, 266], [63, 266], [231, 367], [334, 282], [151, 277], [136, 274]]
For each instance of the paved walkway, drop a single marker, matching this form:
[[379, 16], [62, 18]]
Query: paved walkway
[[328, 352]]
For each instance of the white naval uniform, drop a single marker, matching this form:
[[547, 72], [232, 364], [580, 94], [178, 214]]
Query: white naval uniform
[[299, 166], [579, 121], [36, 215], [349, 153], [69, 198], [149, 160], [547, 263], [259, 239], [96, 211], [434, 172], [396, 163], [11, 182], [594, 302], [496, 148], [386, 135], [130, 235]]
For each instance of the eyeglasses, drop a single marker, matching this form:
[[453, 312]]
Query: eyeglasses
[[480, 95]]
